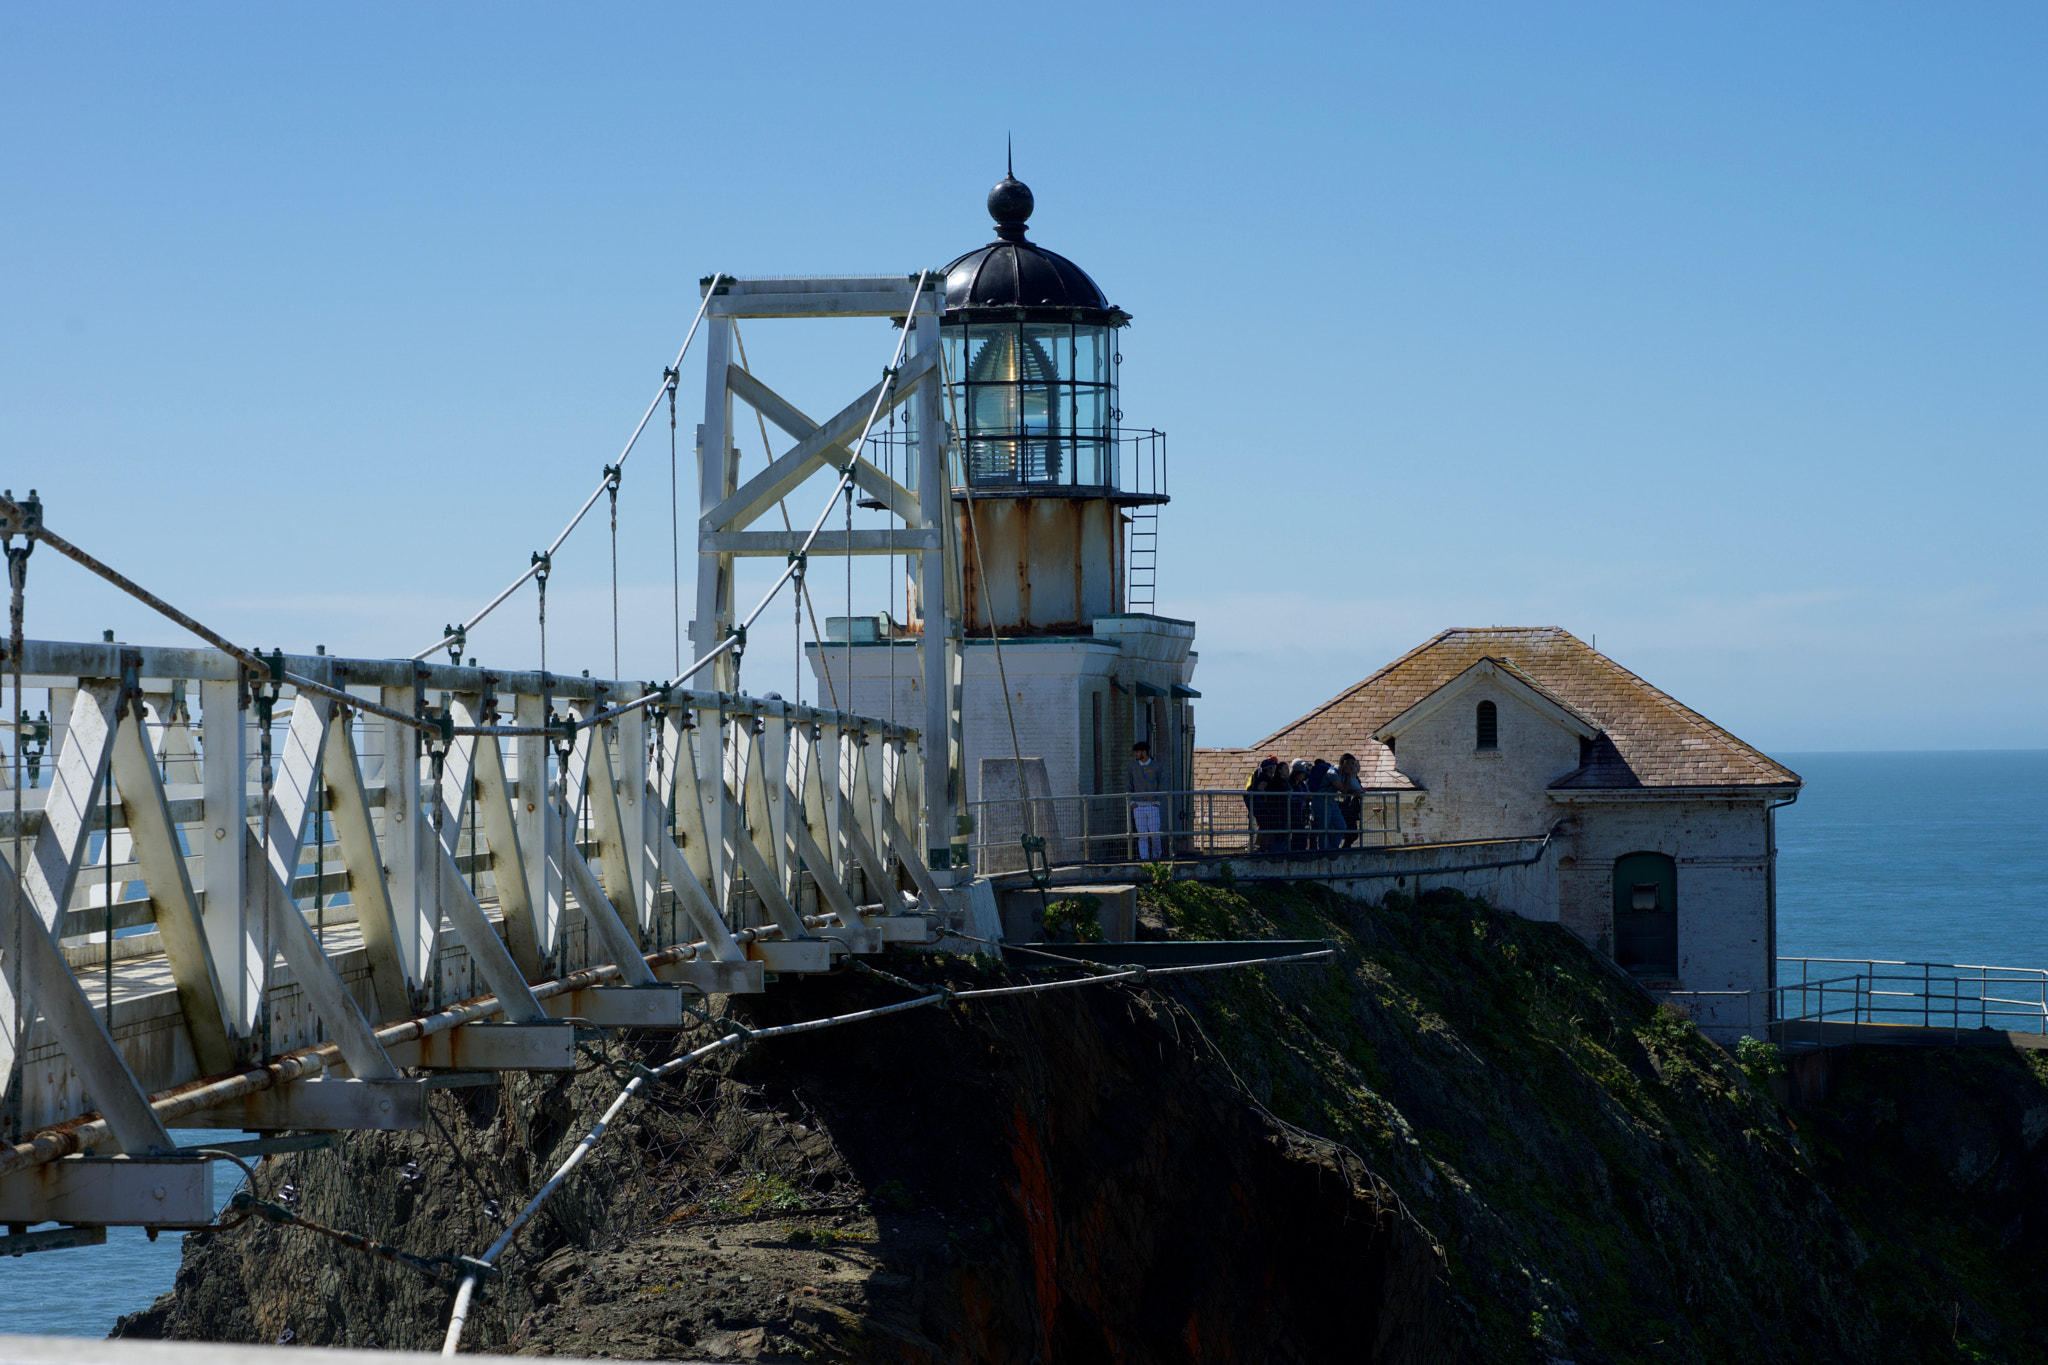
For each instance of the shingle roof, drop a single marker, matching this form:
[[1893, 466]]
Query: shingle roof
[[1648, 740]]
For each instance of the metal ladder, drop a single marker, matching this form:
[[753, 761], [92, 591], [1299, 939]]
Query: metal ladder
[[1142, 594]]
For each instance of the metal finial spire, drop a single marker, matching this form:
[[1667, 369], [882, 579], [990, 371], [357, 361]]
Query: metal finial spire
[[1009, 203]]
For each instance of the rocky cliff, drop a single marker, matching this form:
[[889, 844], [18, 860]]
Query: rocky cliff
[[1469, 1139]]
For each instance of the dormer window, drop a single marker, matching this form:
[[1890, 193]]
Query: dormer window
[[1488, 726]]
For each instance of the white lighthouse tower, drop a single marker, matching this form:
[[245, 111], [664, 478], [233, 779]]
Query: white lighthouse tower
[[1055, 514]]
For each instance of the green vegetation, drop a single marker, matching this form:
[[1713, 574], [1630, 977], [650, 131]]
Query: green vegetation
[[758, 1192], [1760, 1061], [1605, 1180], [1077, 920]]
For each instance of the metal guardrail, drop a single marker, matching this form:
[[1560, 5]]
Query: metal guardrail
[[1203, 822], [1875, 996]]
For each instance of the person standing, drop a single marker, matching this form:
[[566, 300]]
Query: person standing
[[1350, 798], [1322, 783], [1300, 810], [1269, 811], [1144, 782]]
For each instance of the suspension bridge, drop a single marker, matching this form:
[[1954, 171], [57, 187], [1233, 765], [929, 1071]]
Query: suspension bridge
[[287, 894]]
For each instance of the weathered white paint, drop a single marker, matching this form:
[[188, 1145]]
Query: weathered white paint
[[1721, 847]]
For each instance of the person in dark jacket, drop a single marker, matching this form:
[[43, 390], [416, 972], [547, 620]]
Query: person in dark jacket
[[1350, 798], [1267, 800]]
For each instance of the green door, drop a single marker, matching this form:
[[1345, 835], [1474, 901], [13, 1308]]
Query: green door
[[1646, 914]]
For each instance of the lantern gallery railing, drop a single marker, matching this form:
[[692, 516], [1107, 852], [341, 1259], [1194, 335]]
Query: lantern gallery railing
[[1118, 462], [227, 889], [1217, 822]]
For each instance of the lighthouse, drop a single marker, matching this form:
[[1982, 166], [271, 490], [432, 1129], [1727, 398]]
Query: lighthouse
[[1064, 661]]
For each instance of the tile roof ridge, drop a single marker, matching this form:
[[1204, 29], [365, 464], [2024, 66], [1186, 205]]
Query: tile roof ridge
[[1694, 718], [1356, 687]]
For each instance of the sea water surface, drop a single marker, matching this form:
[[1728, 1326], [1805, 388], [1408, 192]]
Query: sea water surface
[[1934, 857], [1917, 857]]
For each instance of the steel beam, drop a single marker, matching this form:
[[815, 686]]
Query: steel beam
[[620, 945], [52, 1239], [498, 1047], [717, 469], [349, 801], [70, 804], [224, 730], [326, 1104], [500, 822], [715, 978], [658, 1006], [737, 510], [40, 978], [906, 541], [786, 415], [172, 1192], [531, 817], [782, 955], [162, 864], [293, 938], [486, 950]]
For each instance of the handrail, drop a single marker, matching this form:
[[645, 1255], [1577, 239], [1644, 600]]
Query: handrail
[[1194, 821], [1954, 997]]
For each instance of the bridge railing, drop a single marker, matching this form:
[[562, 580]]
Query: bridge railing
[[1872, 998], [1193, 823], [221, 879]]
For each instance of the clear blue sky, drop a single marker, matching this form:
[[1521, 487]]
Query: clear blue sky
[[1717, 335]]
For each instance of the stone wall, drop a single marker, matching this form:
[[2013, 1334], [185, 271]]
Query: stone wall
[[1723, 856]]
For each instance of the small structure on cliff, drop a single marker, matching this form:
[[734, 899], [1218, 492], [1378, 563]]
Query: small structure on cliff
[[1665, 851]]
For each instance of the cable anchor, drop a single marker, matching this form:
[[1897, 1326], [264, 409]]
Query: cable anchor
[[455, 639]]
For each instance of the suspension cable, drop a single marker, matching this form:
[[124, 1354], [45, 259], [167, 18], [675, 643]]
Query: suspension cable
[[542, 567], [675, 525], [710, 292], [611, 479]]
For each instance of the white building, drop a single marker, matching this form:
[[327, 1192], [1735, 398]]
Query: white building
[[1665, 853]]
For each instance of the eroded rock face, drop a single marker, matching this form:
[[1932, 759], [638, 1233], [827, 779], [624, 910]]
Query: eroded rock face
[[1059, 1178], [1097, 1174]]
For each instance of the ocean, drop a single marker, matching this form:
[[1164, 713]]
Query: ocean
[[1917, 857], [1926, 857]]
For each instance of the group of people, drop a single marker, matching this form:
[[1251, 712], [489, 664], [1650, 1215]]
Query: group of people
[[1307, 806]]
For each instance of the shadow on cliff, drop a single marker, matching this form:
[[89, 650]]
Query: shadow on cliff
[[1104, 1192]]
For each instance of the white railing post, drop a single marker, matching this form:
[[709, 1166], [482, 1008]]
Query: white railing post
[[224, 768]]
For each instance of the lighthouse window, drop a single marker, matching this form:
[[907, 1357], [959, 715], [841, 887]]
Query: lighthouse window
[[1489, 726], [1039, 400]]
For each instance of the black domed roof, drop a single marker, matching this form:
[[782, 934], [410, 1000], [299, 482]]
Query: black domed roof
[[1011, 273]]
